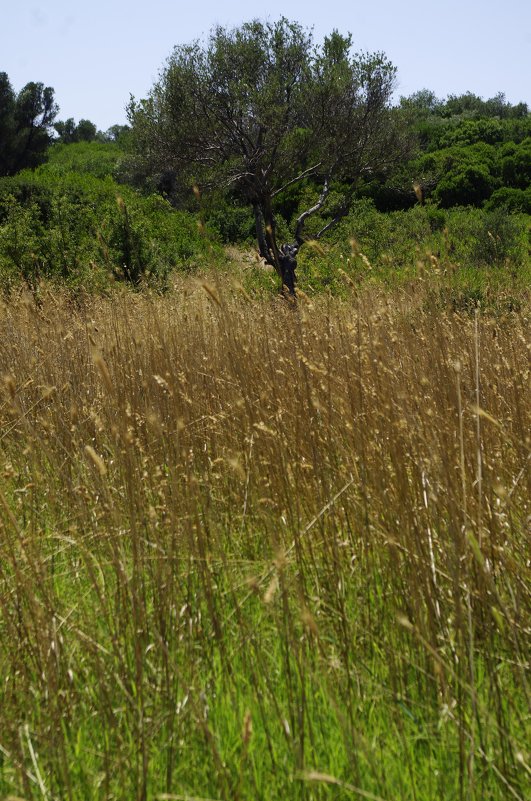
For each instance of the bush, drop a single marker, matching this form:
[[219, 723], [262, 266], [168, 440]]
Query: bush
[[80, 228], [469, 132], [22, 241], [516, 166], [436, 218], [499, 238], [479, 238], [96, 158], [512, 200], [231, 223], [470, 184], [460, 175]]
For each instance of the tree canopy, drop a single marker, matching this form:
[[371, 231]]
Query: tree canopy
[[260, 108], [26, 121], [68, 132]]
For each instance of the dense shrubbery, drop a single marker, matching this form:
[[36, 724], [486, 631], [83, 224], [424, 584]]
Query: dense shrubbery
[[71, 220], [518, 200], [470, 174], [368, 244], [99, 159], [470, 149], [467, 151]]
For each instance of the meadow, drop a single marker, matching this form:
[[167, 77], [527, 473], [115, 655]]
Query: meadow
[[255, 549]]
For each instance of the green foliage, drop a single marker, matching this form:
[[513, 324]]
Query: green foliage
[[462, 174], [269, 125], [436, 218], [100, 159], [468, 148], [498, 238], [231, 222], [120, 134], [469, 132], [26, 120], [512, 200], [76, 227], [68, 132], [467, 183], [390, 248], [470, 105], [424, 104], [21, 239], [469, 174], [515, 164], [440, 133]]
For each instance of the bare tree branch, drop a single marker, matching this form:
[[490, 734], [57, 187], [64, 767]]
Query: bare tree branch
[[303, 174], [301, 219]]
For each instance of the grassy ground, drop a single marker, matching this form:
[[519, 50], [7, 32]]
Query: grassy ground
[[256, 551]]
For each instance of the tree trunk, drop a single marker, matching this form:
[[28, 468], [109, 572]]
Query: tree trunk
[[288, 265], [260, 233], [283, 259]]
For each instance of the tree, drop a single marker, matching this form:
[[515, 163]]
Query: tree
[[261, 108], [26, 121], [116, 133], [68, 131], [422, 103]]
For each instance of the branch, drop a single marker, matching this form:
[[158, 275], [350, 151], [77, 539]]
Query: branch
[[238, 177], [332, 222], [343, 211], [298, 178], [305, 214]]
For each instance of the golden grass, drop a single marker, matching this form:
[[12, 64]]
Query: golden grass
[[254, 506]]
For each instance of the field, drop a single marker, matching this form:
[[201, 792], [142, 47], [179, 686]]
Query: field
[[253, 549]]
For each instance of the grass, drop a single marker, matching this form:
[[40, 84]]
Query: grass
[[255, 551]]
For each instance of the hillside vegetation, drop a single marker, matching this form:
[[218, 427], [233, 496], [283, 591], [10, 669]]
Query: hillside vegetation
[[71, 222]]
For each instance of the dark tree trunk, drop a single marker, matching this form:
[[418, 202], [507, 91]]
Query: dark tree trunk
[[283, 259], [270, 233], [288, 265], [260, 233]]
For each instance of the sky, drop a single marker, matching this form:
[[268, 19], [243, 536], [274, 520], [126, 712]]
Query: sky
[[98, 52]]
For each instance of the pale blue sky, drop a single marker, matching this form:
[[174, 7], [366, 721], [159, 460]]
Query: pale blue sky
[[97, 52]]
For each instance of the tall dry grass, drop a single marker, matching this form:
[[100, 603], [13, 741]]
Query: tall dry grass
[[249, 550]]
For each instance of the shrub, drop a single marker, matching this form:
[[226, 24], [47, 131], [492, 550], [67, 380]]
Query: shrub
[[516, 166], [512, 200], [499, 238], [96, 158], [22, 241], [479, 238], [436, 218], [467, 184], [76, 227], [231, 223]]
